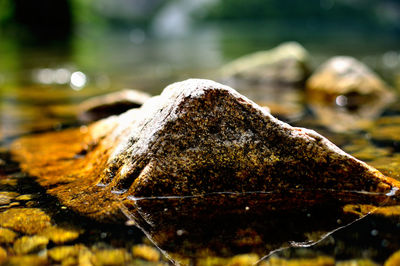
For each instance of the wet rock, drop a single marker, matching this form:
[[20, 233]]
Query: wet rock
[[111, 104], [110, 257], [28, 244], [285, 64], [60, 235], [7, 235], [348, 92], [25, 220], [146, 252]]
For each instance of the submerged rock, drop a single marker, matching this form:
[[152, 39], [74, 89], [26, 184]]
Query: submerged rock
[[111, 104], [348, 92], [25, 220], [202, 151], [27, 244], [285, 64]]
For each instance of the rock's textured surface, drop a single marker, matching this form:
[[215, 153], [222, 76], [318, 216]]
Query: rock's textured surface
[[286, 63], [347, 91], [111, 104], [197, 137]]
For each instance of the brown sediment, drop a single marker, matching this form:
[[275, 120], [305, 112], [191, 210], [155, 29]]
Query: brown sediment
[[197, 137]]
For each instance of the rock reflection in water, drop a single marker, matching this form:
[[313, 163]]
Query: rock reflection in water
[[189, 229]]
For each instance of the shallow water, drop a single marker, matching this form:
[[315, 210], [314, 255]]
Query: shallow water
[[39, 94]]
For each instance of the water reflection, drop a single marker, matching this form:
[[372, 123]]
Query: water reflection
[[189, 229]]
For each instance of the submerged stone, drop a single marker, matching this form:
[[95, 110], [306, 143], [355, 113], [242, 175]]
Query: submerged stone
[[7, 235], [60, 235], [146, 252], [111, 104], [27, 244], [25, 220]]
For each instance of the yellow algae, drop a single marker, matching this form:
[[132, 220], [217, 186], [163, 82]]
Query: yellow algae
[[110, 257], [63, 252], [25, 220], [318, 261], [7, 235], [60, 235], [27, 244], [25, 197], [146, 252], [6, 197]]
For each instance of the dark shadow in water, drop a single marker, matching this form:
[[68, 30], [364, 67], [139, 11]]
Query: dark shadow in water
[[226, 224]]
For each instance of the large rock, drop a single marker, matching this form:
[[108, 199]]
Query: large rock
[[348, 92], [197, 137]]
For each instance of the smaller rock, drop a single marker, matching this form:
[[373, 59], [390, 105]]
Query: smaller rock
[[393, 260], [146, 252], [111, 104], [342, 75], [28, 244], [346, 91], [6, 197], [24, 197], [25, 220], [60, 235], [7, 235], [286, 63], [110, 257], [3, 255], [63, 252]]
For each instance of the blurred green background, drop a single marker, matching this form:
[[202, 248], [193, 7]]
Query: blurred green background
[[149, 43]]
